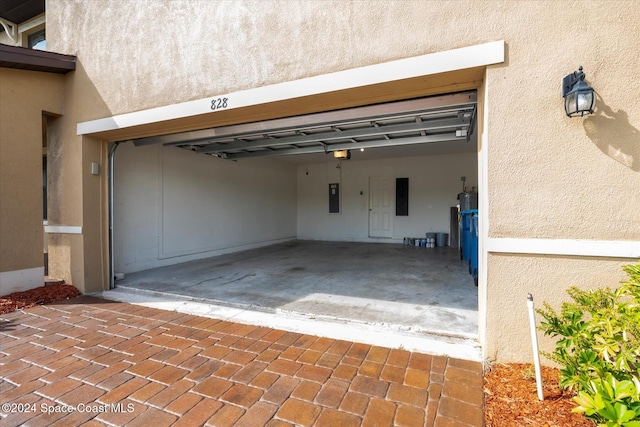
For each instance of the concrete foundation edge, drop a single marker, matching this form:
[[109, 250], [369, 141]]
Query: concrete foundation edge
[[367, 334], [21, 280]]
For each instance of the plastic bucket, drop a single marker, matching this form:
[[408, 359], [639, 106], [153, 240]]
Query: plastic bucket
[[442, 239]]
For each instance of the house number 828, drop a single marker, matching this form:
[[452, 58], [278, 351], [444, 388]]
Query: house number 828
[[219, 103]]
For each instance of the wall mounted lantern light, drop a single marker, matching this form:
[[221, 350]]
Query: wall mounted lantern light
[[579, 97]]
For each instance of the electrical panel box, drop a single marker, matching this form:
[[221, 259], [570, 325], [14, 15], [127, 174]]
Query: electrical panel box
[[402, 196], [334, 198]]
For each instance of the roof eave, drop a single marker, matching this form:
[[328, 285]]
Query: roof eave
[[36, 60]]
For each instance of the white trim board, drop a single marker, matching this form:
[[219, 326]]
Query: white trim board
[[424, 65], [590, 248], [62, 229], [21, 280]]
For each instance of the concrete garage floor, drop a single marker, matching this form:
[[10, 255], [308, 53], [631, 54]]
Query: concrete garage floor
[[391, 289]]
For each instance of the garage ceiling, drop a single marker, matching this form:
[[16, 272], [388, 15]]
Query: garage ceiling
[[442, 119]]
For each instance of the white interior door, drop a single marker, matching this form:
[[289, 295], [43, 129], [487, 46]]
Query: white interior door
[[380, 207]]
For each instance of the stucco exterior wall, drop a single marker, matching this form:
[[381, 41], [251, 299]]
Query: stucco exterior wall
[[511, 277], [78, 199], [217, 47], [25, 96], [548, 176]]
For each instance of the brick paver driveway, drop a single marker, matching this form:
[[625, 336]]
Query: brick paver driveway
[[94, 362]]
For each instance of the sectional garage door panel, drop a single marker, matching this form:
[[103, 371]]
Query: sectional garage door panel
[[419, 121]]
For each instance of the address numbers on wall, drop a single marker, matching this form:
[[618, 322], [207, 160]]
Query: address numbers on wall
[[219, 103]]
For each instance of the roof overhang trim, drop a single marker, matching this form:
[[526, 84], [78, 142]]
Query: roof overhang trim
[[35, 60]]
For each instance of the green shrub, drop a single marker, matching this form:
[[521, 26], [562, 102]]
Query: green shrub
[[599, 350]]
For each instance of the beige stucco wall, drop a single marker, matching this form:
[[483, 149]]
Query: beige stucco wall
[[548, 176], [25, 96], [511, 277], [76, 197]]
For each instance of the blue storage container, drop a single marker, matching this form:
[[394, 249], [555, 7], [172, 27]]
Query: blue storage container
[[474, 248], [465, 233]]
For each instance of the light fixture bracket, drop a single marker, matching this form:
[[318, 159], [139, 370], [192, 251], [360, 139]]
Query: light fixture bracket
[[579, 97], [570, 81]]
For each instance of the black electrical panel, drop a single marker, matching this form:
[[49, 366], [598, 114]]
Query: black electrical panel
[[334, 198], [402, 196]]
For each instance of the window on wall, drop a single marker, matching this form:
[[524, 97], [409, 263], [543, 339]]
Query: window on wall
[[38, 40]]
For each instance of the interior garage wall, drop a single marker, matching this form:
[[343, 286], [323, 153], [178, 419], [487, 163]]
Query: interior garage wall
[[434, 183], [172, 206]]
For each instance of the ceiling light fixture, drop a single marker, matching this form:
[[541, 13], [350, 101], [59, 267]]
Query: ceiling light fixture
[[342, 154]]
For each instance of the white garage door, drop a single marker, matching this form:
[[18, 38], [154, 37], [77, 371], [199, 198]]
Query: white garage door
[[447, 118]]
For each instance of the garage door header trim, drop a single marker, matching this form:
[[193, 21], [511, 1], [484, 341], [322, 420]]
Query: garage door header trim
[[424, 65]]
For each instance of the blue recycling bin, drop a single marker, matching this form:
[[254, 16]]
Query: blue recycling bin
[[465, 233], [473, 263]]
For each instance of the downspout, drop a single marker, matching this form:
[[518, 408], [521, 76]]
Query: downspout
[[112, 273]]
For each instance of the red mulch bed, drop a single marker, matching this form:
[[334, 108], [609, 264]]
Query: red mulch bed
[[41, 295], [511, 399]]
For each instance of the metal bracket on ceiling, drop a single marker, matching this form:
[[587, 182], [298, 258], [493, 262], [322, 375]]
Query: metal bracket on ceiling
[[472, 123], [469, 113], [417, 125], [223, 156], [377, 125], [10, 28], [419, 120]]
